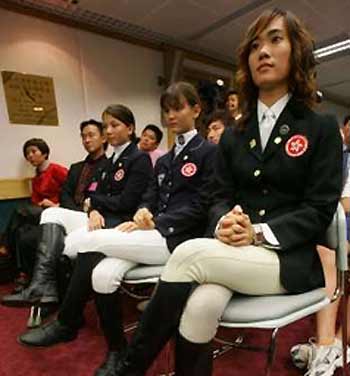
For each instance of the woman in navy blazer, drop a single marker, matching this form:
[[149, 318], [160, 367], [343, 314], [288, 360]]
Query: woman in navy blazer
[[112, 197], [278, 182]]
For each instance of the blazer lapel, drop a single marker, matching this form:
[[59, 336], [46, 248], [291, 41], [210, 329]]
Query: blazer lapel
[[252, 136]]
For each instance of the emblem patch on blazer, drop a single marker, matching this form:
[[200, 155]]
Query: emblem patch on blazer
[[92, 186], [160, 179], [188, 169], [119, 175], [296, 145]]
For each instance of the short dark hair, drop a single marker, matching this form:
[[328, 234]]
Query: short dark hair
[[123, 114], [94, 122], [230, 92], [158, 133], [39, 143], [218, 115], [346, 120]]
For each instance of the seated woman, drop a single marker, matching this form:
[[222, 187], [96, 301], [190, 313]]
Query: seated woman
[[271, 203], [114, 195], [150, 139], [170, 213], [46, 189]]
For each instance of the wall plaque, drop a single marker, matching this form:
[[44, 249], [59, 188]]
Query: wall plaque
[[30, 98]]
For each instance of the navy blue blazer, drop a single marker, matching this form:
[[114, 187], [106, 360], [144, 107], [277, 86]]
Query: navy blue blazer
[[180, 191], [294, 186], [119, 189]]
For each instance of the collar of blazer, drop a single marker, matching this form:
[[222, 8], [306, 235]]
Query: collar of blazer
[[195, 143], [281, 131], [126, 153]]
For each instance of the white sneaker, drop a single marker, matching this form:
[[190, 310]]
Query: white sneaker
[[325, 360], [302, 354]]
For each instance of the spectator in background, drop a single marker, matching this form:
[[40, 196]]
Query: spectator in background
[[232, 106], [46, 189], [150, 139], [216, 126]]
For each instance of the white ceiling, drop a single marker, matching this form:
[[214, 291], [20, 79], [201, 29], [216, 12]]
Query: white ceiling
[[213, 27]]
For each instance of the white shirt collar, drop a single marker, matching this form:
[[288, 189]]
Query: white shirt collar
[[119, 149], [276, 108], [188, 137]]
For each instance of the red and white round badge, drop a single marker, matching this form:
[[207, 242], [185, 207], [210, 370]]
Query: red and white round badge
[[119, 175], [296, 145], [188, 169]]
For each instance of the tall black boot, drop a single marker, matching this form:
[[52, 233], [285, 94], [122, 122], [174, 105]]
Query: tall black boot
[[43, 286], [193, 359], [111, 319], [158, 323], [70, 317]]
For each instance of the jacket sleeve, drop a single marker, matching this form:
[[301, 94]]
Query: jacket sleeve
[[139, 174], [314, 213], [187, 216], [151, 196], [223, 182], [68, 189]]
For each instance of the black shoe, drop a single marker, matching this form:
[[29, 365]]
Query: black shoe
[[108, 367], [48, 335]]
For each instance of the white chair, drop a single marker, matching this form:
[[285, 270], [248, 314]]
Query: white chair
[[276, 311]]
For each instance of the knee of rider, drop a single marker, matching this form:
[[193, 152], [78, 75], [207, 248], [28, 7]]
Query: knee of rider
[[198, 322], [106, 278], [50, 215]]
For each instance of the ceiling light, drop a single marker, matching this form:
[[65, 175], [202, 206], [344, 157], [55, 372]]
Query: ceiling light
[[333, 48]]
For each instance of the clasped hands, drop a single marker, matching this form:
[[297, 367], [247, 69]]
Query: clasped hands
[[143, 220], [235, 228]]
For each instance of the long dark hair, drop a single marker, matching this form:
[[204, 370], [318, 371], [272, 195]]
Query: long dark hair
[[302, 77], [123, 114]]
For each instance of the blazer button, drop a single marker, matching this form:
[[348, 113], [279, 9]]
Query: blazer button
[[265, 191], [257, 173], [171, 229], [262, 212], [170, 184]]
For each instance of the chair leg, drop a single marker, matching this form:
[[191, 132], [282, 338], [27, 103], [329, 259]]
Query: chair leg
[[344, 322], [271, 352]]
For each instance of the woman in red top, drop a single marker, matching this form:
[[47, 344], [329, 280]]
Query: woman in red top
[[46, 189]]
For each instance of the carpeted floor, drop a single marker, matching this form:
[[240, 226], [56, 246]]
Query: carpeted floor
[[82, 356]]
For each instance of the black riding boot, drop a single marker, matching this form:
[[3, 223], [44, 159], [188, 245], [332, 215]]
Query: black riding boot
[[111, 319], [70, 317], [193, 359], [43, 286], [158, 323]]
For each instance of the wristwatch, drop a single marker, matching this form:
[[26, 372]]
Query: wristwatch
[[258, 236]]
